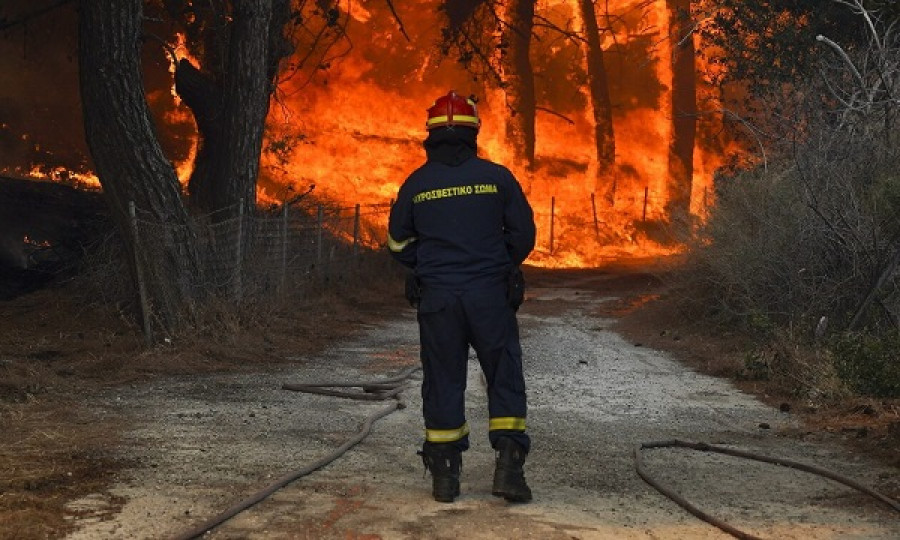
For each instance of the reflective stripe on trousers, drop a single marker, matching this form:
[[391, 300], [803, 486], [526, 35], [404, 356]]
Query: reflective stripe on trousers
[[449, 322]]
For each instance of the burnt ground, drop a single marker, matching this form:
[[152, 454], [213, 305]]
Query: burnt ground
[[58, 350]]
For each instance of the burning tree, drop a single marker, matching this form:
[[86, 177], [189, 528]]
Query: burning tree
[[604, 137], [477, 28], [518, 77], [684, 110], [581, 97]]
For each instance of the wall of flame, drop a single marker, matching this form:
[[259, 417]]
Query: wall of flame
[[355, 129], [360, 125]]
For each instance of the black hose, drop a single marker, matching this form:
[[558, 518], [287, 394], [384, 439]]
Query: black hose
[[366, 396], [385, 391], [703, 447], [401, 377]]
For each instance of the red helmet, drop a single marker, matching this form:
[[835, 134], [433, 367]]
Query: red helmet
[[453, 110]]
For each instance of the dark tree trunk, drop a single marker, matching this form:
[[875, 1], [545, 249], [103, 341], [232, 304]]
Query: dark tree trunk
[[128, 158], [245, 101], [231, 102], [519, 80], [684, 111], [604, 138], [203, 96]]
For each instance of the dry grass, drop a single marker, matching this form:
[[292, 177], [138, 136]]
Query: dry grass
[[50, 454], [57, 344]]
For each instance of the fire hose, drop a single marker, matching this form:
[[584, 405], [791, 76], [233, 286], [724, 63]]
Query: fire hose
[[371, 391], [704, 447], [390, 388]]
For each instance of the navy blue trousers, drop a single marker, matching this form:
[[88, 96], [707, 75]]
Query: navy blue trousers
[[449, 322]]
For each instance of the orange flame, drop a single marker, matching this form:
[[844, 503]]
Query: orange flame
[[360, 137], [355, 131], [181, 114], [64, 176]]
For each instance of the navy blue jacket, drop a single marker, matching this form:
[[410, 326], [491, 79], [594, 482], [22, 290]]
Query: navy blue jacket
[[461, 227]]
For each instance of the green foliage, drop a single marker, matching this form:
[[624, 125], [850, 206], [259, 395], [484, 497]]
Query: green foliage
[[760, 322], [870, 365], [762, 54]]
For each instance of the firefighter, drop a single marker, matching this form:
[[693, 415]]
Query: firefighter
[[464, 227]]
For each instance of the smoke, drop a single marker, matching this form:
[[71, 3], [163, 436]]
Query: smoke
[[40, 109]]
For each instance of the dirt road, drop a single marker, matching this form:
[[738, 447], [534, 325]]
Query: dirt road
[[200, 445]]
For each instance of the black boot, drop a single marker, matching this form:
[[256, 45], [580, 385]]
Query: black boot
[[444, 462], [509, 478]]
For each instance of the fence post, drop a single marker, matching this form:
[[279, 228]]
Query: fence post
[[139, 274], [356, 232], [238, 252], [644, 213], [284, 243], [552, 219], [596, 223], [320, 225]]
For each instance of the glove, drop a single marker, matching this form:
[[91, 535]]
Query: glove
[[515, 288], [413, 290]]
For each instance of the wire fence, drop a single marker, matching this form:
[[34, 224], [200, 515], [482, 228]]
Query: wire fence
[[247, 256], [254, 256], [598, 222]]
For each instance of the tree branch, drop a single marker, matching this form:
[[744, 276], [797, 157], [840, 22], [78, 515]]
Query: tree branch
[[390, 4], [554, 113], [7, 23], [477, 50], [169, 49], [822, 39], [543, 22]]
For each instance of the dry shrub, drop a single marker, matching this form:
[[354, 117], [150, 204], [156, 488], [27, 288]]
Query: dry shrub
[[793, 368], [803, 252], [802, 249]]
